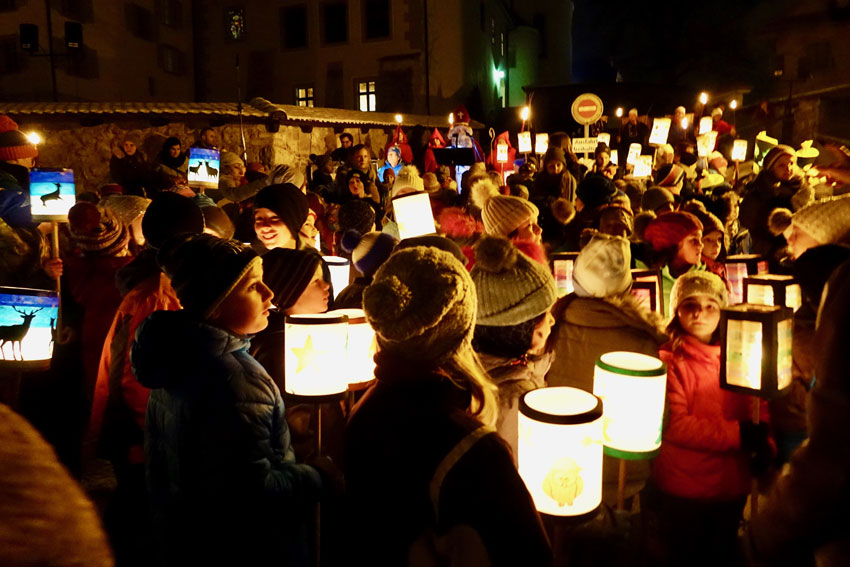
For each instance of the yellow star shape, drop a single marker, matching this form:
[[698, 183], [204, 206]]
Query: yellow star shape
[[305, 355]]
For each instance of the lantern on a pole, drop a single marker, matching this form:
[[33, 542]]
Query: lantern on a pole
[[739, 150], [739, 267], [361, 348], [413, 215], [705, 125], [604, 138], [524, 142], [501, 151], [648, 284], [560, 451], [773, 289], [541, 143], [315, 356], [562, 268], [339, 268]]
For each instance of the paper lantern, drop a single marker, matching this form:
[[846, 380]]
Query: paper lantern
[[562, 268], [502, 152], [705, 125], [653, 279], [632, 388], [643, 166], [706, 143], [27, 325], [604, 138], [738, 267], [560, 450], [615, 157], [755, 355], [739, 150], [315, 357], [413, 215], [339, 268], [541, 143], [660, 131], [634, 152], [52, 194], [361, 347], [773, 289], [524, 142]]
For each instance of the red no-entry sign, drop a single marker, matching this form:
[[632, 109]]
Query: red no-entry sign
[[587, 108]]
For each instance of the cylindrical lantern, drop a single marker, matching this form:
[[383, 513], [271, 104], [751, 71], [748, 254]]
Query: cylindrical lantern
[[560, 450], [632, 387], [413, 215], [524, 142], [755, 356], [27, 324], [361, 347], [339, 268], [738, 267], [315, 356], [653, 277], [562, 268], [773, 289], [541, 143]]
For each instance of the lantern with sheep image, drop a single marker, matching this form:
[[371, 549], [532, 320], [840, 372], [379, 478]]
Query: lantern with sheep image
[[773, 289], [738, 268], [562, 268], [27, 325], [560, 451], [414, 215]]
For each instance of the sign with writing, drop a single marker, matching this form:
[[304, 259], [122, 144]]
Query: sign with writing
[[524, 139], [587, 108], [584, 145], [660, 131]]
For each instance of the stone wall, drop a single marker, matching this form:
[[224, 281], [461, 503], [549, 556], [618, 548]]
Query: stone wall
[[87, 149]]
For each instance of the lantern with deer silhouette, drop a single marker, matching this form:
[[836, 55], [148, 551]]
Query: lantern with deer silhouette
[[27, 323], [52, 194]]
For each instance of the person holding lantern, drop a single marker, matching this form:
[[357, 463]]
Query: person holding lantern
[[710, 446], [424, 468]]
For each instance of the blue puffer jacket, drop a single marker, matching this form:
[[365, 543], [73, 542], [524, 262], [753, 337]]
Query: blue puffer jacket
[[221, 472]]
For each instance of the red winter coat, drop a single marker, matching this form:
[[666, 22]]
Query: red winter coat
[[701, 455]]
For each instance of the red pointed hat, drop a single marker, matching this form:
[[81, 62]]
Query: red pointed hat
[[437, 136], [461, 114]]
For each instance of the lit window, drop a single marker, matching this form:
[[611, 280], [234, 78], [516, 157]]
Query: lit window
[[235, 24], [304, 96], [366, 96]]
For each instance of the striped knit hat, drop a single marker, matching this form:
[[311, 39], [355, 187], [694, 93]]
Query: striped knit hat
[[501, 214], [368, 251], [14, 143], [97, 231]]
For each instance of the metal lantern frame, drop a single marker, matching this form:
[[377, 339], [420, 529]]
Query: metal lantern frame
[[653, 277], [785, 289], [776, 323]]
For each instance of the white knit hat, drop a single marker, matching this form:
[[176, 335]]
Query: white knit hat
[[826, 220], [501, 214], [407, 181], [697, 282], [602, 267]]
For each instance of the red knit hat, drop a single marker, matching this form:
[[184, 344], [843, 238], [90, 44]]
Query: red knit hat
[[668, 229], [14, 143]]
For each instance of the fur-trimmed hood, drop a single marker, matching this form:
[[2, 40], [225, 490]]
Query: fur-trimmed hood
[[613, 311], [516, 376]]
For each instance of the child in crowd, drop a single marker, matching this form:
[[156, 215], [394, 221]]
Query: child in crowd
[[710, 446]]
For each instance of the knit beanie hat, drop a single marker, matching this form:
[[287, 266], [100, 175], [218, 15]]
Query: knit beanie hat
[[288, 273], [126, 207], [697, 282], [368, 251], [288, 202], [554, 154], [602, 267], [14, 143], [656, 197], [96, 230], [284, 174], [407, 181], [204, 269], [668, 229], [596, 190], [826, 220], [710, 223], [230, 158], [421, 304], [168, 215], [669, 175], [512, 288], [436, 241], [774, 154], [430, 183], [356, 215], [501, 214]]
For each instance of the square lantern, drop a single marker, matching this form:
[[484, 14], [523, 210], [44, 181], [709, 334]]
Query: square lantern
[[524, 142], [315, 356], [360, 349], [653, 277], [632, 388], [738, 268], [413, 215], [647, 294], [502, 152], [755, 355], [27, 325], [562, 268], [541, 143], [339, 268], [560, 451], [773, 289]]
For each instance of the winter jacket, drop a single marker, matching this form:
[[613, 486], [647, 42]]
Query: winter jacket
[[805, 513], [395, 439], [117, 421], [514, 377], [221, 474], [701, 456], [588, 327], [131, 172]]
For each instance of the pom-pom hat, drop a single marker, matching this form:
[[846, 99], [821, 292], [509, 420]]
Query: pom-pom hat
[[368, 251], [826, 220], [96, 230], [602, 267], [501, 214]]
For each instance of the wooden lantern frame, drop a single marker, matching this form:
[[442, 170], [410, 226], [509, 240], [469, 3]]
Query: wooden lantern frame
[[780, 284], [653, 277]]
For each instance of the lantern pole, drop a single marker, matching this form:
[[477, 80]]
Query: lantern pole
[[621, 486], [55, 255], [754, 490]]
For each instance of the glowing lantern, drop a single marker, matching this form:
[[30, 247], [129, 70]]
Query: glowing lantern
[[739, 150], [524, 139], [541, 143], [615, 157], [339, 268], [764, 144], [643, 167], [398, 118], [684, 124], [27, 325], [806, 155], [413, 215], [632, 388], [315, 355], [560, 450], [703, 98], [660, 131], [739, 267], [733, 104], [649, 286], [525, 113], [502, 152], [361, 347], [619, 112], [634, 152], [755, 355], [705, 125], [772, 289], [562, 268], [706, 143], [604, 138]]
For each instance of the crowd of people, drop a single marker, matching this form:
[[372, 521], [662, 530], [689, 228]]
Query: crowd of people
[[175, 301]]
